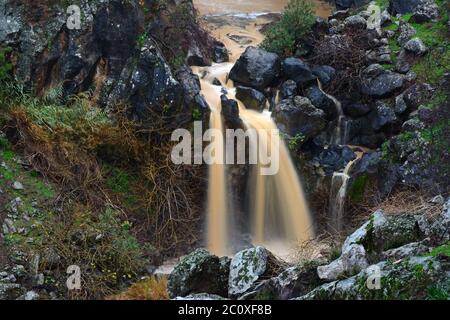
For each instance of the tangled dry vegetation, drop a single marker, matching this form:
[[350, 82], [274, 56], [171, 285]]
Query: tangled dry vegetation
[[347, 54], [105, 168]]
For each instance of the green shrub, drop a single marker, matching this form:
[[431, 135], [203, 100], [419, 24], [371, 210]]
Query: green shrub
[[295, 22]]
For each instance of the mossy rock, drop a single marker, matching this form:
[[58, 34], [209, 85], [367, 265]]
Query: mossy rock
[[200, 272]]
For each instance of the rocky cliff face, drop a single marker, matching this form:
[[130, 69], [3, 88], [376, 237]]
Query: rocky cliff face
[[124, 51]]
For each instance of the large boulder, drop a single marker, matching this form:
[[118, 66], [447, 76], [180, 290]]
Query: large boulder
[[299, 116], [256, 68], [378, 82], [248, 267], [251, 98], [199, 272]]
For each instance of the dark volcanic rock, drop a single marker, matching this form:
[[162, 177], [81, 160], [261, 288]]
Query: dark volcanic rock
[[382, 116], [251, 98], [379, 83], [299, 116], [230, 113], [324, 73], [220, 53], [320, 100], [256, 68], [297, 70], [288, 89], [335, 158]]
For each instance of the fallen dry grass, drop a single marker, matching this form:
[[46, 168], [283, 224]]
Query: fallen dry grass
[[151, 289]]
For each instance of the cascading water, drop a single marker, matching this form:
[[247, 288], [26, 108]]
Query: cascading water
[[279, 212]]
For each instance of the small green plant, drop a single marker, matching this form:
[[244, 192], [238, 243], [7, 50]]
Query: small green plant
[[142, 38], [296, 141], [196, 114], [295, 22]]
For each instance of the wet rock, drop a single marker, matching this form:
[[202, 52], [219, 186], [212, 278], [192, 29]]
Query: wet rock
[[199, 272], [248, 267], [288, 89], [320, 100], [335, 158], [378, 83], [220, 53], [191, 88], [216, 82], [251, 98], [352, 261], [230, 113], [297, 70], [256, 68], [299, 116]]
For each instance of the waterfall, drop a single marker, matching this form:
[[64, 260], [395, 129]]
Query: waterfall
[[340, 135], [279, 214]]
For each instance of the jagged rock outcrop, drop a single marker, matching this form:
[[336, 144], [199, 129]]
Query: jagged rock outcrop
[[124, 52]]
